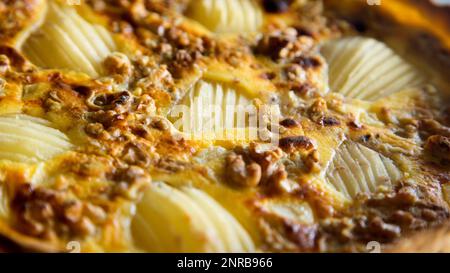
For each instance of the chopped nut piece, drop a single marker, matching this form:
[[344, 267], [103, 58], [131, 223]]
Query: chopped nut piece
[[377, 225], [439, 146], [312, 161], [118, 64], [242, 174], [256, 165], [284, 45]]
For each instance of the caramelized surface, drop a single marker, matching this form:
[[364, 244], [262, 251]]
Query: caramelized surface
[[344, 138]]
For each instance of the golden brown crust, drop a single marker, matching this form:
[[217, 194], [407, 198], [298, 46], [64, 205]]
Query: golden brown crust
[[434, 240], [122, 138], [16, 16]]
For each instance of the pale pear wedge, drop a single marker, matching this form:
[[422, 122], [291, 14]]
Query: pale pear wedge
[[229, 105], [367, 69], [357, 169], [446, 190], [224, 230], [291, 210], [216, 111], [235, 237], [168, 220], [105, 36], [227, 16], [67, 41], [66, 21], [29, 139], [4, 204]]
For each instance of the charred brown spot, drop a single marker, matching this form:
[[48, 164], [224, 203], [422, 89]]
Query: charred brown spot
[[109, 101], [271, 45], [276, 6], [329, 121], [308, 62], [304, 32], [366, 138], [354, 125], [296, 142], [55, 77], [268, 76], [289, 123], [15, 58], [359, 26], [82, 90], [301, 89]]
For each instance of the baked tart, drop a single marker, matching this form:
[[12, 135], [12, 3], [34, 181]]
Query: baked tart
[[224, 126]]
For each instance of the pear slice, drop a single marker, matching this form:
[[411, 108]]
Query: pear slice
[[29, 139], [186, 220], [68, 41], [290, 210], [227, 16], [214, 111], [367, 69], [4, 203], [446, 190], [357, 169], [235, 237]]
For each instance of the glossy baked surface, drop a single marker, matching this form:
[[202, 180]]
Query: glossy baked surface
[[221, 126]]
